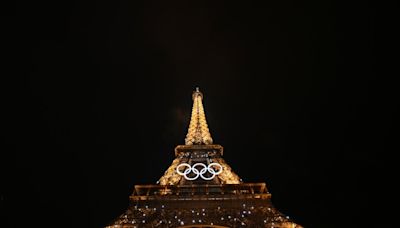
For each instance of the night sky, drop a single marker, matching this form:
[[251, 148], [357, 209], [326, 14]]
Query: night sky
[[98, 93]]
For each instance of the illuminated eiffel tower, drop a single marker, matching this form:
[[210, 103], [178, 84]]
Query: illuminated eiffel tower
[[200, 189]]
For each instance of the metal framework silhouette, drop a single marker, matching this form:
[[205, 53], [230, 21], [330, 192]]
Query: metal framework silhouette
[[200, 189]]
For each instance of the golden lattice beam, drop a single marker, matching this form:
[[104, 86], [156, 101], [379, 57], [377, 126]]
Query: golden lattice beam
[[198, 132]]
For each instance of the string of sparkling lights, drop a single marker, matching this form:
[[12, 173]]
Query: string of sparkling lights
[[245, 216]]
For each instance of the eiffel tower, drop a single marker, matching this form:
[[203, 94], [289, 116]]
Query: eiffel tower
[[200, 189]]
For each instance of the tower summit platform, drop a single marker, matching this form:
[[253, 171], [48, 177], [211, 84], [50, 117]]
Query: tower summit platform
[[200, 189]]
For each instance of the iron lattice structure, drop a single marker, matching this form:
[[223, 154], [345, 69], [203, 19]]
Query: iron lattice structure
[[200, 189]]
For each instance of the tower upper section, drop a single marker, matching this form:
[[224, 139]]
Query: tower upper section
[[198, 133]]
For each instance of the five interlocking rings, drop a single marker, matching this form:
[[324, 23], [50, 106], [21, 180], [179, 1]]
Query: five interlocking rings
[[199, 172]]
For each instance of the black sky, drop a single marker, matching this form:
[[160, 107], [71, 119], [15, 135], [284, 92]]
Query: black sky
[[100, 94]]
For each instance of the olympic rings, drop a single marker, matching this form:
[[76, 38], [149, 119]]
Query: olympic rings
[[199, 172]]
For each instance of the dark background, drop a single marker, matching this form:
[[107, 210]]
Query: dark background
[[97, 95]]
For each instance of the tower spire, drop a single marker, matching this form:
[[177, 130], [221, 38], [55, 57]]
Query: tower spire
[[198, 132]]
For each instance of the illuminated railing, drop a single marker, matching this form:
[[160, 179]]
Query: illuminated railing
[[246, 189]]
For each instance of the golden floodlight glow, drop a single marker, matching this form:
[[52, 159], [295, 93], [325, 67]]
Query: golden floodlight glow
[[198, 132], [199, 189]]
